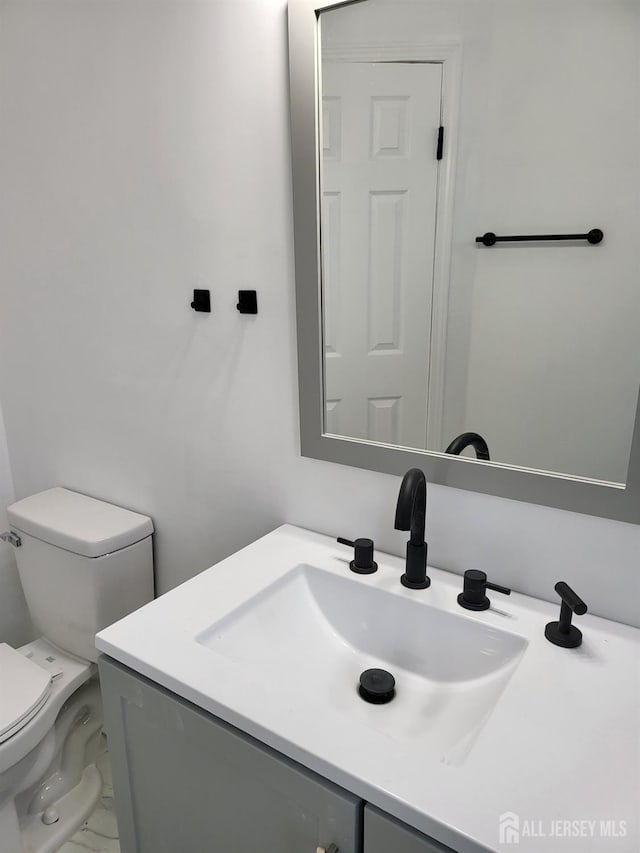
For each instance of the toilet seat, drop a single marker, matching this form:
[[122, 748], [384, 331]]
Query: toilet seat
[[73, 673], [25, 689]]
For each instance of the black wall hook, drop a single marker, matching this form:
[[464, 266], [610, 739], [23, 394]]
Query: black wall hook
[[247, 302], [201, 301]]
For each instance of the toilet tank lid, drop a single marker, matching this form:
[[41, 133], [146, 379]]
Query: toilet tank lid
[[78, 523]]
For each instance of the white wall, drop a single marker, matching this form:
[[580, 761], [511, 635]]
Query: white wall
[[15, 625], [145, 152]]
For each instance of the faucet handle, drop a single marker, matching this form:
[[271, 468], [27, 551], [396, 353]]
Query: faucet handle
[[563, 633], [363, 562], [473, 596]]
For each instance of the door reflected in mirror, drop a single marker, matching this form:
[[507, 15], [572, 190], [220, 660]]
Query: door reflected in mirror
[[442, 120]]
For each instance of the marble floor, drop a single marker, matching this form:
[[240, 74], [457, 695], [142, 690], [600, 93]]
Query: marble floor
[[99, 834]]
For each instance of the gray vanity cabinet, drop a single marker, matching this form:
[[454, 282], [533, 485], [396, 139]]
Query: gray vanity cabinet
[[188, 783], [384, 834]]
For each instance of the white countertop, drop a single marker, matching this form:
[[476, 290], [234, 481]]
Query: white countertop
[[560, 749]]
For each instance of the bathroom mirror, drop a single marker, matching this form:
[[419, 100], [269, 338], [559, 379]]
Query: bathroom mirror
[[419, 130]]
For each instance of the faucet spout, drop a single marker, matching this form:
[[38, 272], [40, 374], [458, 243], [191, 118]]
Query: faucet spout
[[412, 505], [410, 515], [470, 439]]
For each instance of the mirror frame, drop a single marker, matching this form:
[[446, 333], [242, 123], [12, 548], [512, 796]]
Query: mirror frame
[[576, 494]]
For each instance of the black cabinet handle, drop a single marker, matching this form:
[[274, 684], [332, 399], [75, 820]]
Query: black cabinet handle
[[563, 633]]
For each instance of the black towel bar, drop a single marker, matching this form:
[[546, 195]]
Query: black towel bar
[[490, 239]]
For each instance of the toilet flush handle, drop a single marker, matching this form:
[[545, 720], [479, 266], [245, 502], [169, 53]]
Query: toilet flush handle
[[332, 848], [12, 538]]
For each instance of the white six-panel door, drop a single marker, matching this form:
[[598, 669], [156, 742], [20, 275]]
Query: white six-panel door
[[379, 176]]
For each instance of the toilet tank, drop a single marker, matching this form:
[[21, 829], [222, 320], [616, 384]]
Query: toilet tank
[[83, 565]]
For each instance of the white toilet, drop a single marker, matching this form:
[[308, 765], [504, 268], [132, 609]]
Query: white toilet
[[83, 565]]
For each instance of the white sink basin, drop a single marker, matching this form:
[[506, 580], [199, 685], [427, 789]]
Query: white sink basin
[[311, 633]]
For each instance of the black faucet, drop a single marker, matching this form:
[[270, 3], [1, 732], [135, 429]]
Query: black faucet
[[410, 515], [470, 439]]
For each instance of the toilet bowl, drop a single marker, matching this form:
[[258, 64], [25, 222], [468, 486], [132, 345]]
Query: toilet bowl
[[83, 564]]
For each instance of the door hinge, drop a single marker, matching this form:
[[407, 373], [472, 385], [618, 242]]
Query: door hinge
[[440, 147]]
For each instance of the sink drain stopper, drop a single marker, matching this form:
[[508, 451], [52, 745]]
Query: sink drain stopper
[[377, 686]]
